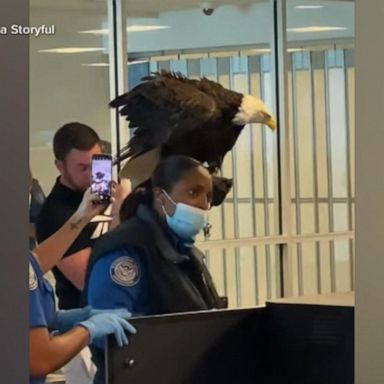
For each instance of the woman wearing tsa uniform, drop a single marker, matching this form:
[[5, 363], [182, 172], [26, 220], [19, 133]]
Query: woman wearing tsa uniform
[[55, 337], [149, 264]]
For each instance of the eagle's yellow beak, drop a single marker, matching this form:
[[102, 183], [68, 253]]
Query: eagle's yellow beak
[[271, 123]]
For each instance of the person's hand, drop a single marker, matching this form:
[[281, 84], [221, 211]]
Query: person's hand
[[117, 311], [120, 190], [90, 206], [66, 319], [103, 324]]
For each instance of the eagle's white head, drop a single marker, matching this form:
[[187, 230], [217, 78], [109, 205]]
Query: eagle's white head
[[253, 110]]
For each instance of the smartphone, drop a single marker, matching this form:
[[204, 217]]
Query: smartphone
[[101, 177]]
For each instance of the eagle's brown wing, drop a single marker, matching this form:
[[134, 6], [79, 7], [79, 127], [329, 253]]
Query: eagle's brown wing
[[158, 107]]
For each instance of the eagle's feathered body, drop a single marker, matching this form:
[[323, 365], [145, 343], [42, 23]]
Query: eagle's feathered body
[[181, 116]]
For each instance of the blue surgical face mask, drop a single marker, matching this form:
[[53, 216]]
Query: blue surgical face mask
[[187, 221]]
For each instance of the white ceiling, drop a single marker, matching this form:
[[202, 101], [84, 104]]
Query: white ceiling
[[70, 80], [135, 8]]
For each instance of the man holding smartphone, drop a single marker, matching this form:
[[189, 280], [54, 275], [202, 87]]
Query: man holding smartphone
[[74, 144]]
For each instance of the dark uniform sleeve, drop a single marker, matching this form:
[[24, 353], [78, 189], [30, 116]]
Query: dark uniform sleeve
[[116, 281]]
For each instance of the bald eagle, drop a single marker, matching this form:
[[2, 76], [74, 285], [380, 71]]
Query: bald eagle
[[174, 115]]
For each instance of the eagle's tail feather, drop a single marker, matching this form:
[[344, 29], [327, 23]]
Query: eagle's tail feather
[[140, 168]]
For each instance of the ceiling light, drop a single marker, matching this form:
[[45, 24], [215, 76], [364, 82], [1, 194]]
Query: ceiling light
[[309, 6], [130, 28], [145, 28], [96, 32], [95, 65], [315, 29], [71, 50]]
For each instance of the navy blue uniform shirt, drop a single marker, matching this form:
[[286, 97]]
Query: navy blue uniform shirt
[[119, 280], [41, 303]]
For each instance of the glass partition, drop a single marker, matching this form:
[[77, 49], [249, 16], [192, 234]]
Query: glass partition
[[69, 77], [321, 109], [70, 80]]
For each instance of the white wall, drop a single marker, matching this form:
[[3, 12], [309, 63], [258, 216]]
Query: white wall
[[234, 26], [61, 90]]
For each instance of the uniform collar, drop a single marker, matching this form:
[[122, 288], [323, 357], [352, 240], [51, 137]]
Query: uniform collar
[[174, 248]]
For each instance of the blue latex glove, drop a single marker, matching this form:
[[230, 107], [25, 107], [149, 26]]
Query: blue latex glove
[[103, 324], [66, 319]]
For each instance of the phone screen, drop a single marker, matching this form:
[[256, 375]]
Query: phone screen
[[101, 181]]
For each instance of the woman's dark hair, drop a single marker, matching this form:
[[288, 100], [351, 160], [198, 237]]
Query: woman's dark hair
[[166, 174]]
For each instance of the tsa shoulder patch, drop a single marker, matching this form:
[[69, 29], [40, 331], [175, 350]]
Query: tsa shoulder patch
[[125, 271], [32, 278]]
